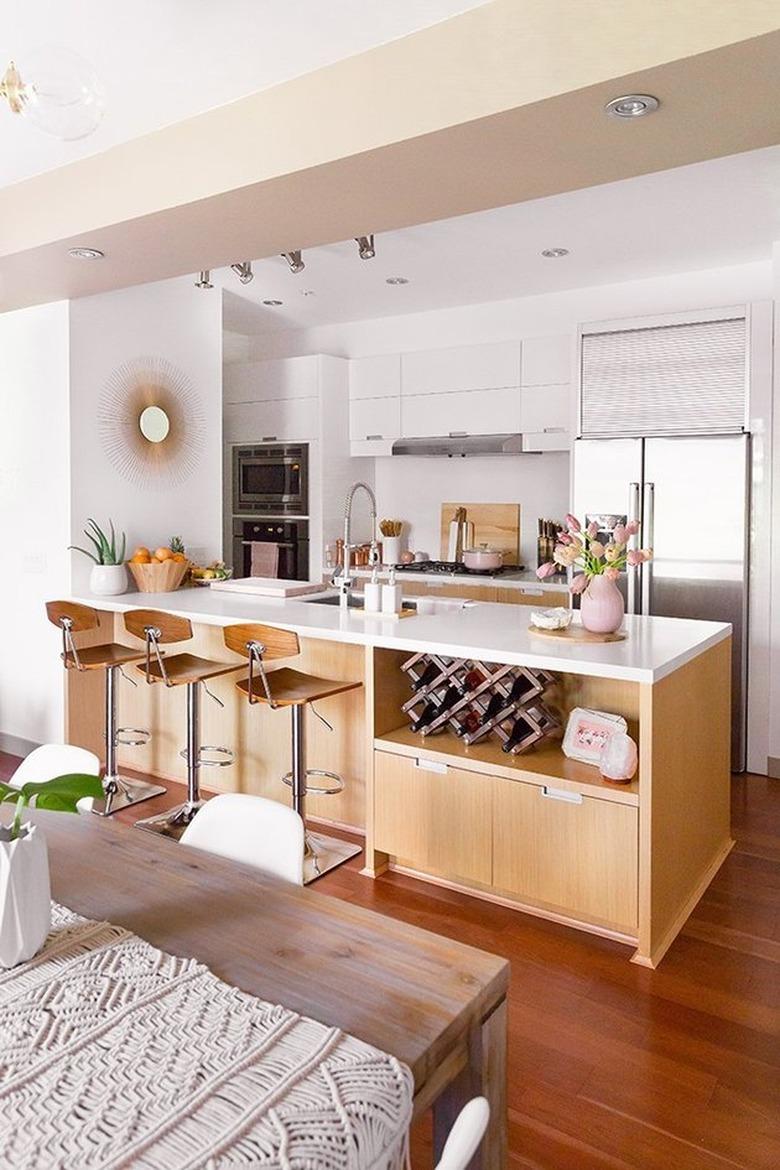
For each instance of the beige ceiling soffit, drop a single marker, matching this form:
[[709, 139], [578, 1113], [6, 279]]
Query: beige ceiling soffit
[[529, 151], [501, 56]]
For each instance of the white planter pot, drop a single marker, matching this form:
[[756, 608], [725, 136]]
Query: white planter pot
[[108, 580], [25, 894]]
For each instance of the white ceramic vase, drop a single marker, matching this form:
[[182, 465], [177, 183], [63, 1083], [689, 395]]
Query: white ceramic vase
[[25, 894], [108, 580]]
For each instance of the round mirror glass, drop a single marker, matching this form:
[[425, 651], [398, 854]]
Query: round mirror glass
[[154, 424]]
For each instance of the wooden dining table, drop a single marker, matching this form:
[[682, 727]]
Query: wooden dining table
[[435, 1004]]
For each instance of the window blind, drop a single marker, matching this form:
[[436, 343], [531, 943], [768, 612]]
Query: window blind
[[665, 380]]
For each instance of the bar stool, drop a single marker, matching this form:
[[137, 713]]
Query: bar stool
[[157, 628], [291, 688], [110, 657]]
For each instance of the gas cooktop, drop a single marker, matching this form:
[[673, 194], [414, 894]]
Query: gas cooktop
[[456, 568]]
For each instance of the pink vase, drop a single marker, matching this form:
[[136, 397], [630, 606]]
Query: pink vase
[[602, 607]]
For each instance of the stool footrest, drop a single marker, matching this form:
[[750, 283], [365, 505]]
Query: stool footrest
[[132, 736], [319, 789], [205, 762]]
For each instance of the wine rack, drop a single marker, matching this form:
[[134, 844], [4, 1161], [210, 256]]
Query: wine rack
[[474, 699]]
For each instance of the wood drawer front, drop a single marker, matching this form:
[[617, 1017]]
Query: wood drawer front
[[435, 821], [579, 857]]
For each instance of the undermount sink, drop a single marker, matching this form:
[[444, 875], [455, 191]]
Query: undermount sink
[[354, 601]]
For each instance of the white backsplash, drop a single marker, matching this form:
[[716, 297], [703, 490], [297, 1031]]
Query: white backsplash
[[413, 490]]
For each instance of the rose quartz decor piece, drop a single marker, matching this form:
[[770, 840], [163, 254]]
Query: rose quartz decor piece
[[619, 759], [602, 606]]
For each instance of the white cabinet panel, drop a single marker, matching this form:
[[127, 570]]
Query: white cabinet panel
[[290, 420], [269, 380], [547, 360], [375, 377], [475, 412], [463, 367], [545, 416], [375, 418]]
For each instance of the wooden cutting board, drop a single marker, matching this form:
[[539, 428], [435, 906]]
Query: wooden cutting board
[[497, 525]]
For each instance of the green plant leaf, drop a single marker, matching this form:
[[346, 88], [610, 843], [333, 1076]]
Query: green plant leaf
[[92, 557], [8, 793], [101, 541], [121, 559], [62, 793], [112, 545]]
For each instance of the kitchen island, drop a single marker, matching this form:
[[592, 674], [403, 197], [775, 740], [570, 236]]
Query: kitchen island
[[537, 831]]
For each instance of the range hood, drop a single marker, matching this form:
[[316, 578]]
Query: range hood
[[458, 446]]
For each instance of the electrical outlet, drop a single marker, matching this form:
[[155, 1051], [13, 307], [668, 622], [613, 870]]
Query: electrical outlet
[[34, 563]]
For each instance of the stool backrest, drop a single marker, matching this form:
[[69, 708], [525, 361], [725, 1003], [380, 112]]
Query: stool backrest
[[464, 1138], [276, 643], [55, 759], [251, 829], [81, 617], [172, 628]]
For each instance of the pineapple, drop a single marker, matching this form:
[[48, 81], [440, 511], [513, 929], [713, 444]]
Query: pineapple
[[176, 545]]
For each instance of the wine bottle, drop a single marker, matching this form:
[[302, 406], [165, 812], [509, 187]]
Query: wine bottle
[[432, 671], [522, 731], [426, 716]]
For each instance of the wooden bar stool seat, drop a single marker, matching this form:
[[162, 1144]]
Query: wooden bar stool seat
[[72, 618], [158, 628], [286, 687]]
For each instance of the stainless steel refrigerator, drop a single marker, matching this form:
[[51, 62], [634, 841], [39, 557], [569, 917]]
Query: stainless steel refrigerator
[[691, 498]]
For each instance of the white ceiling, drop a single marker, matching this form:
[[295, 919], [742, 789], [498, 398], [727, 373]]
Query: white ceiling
[[161, 61], [722, 212]]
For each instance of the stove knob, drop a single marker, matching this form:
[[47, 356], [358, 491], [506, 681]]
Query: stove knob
[[280, 530]]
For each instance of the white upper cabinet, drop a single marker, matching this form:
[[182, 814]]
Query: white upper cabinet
[[547, 361], [375, 377], [462, 367], [374, 418], [467, 412], [282, 421], [266, 381]]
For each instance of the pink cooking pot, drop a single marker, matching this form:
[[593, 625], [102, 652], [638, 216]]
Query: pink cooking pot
[[483, 557]]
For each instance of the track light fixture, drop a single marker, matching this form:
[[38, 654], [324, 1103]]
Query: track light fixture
[[366, 247], [204, 279], [243, 271], [294, 260]]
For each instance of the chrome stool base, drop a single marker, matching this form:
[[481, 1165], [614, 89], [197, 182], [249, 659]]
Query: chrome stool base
[[173, 822], [120, 792], [324, 853], [318, 789]]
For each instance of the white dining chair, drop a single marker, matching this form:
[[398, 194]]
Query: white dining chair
[[259, 832], [57, 759], [466, 1134]]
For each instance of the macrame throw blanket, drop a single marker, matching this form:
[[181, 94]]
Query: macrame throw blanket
[[114, 1054]]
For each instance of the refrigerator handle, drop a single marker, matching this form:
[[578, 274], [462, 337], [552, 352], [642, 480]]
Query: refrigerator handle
[[633, 514], [648, 536]]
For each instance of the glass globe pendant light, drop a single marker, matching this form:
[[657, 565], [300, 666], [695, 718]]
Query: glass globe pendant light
[[58, 91]]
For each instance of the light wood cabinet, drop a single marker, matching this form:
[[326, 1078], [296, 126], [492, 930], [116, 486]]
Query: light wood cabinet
[[569, 851], [462, 367], [433, 817]]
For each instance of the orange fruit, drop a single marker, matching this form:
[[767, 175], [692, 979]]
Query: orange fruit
[[141, 551], [140, 557], [163, 554], [155, 560], [179, 558]]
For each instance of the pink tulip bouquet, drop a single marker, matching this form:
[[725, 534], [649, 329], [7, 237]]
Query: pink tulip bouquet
[[578, 546]]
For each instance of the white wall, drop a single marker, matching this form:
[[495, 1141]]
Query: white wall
[[34, 520], [172, 320]]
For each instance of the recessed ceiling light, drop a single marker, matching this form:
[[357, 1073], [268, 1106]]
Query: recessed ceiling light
[[272, 304], [632, 105], [555, 253], [397, 280], [86, 253]]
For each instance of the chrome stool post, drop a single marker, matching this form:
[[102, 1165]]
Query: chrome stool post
[[120, 792]]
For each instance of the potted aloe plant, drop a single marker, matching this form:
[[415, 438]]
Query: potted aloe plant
[[108, 576], [25, 896]]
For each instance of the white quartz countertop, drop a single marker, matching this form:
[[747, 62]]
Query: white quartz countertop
[[525, 579], [654, 648]]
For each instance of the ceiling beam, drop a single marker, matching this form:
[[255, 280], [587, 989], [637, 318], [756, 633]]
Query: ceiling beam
[[499, 105]]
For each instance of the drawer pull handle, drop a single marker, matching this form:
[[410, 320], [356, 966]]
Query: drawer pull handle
[[430, 766], [368, 437], [561, 794], [269, 438]]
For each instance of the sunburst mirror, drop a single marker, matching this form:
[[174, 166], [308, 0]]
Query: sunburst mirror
[[151, 422]]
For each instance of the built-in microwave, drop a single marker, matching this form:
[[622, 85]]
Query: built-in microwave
[[271, 479]]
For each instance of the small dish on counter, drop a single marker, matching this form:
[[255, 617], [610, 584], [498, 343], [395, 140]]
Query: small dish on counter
[[558, 618]]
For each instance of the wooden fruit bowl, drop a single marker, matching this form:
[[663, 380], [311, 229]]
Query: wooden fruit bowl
[[159, 578]]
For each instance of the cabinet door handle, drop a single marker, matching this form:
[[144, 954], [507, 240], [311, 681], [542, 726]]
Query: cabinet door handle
[[554, 430], [269, 439], [430, 766], [375, 437], [561, 794], [458, 434]]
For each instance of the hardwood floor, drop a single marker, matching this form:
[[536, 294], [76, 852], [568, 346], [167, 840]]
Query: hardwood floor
[[613, 1066]]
